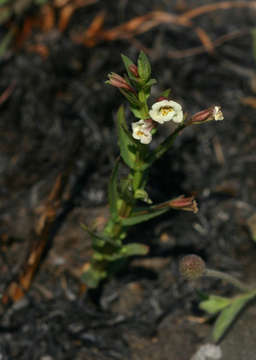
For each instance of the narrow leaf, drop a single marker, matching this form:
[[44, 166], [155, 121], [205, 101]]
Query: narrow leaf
[[141, 216], [113, 195], [137, 112], [131, 98], [214, 304], [151, 82], [142, 195], [108, 257], [228, 315], [127, 146], [98, 240], [127, 63], [144, 67], [135, 249], [166, 93]]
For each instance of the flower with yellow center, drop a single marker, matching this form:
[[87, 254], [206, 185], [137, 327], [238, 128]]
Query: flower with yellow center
[[166, 110], [142, 131]]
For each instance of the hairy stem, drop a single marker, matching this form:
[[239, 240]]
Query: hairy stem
[[226, 277]]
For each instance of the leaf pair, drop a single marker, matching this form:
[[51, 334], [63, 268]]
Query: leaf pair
[[228, 310]]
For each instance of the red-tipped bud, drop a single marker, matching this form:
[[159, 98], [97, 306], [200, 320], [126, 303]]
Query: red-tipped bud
[[134, 70], [192, 267], [161, 98], [212, 113], [184, 203], [119, 82]]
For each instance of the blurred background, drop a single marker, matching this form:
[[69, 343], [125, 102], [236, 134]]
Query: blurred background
[[57, 148]]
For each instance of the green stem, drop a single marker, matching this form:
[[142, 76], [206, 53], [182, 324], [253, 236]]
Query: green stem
[[137, 180], [166, 144]]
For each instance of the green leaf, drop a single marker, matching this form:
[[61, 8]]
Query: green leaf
[[131, 98], [142, 195], [144, 67], [99, 240], [166, 93], [113, 195], [135, 249], [127, 144], [228, 315], [127, 63], [214, 304], [137, 112], [164, 146], [92, 277], [108, 257], [151, 82], [141, 216], [147, 87]]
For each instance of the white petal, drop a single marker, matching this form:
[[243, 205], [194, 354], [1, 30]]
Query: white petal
[[217, 113]]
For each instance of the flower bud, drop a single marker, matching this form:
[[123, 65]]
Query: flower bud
[[134, 70], [212, 113], [119, 82], [184, 203], [192, 267], [161, 98]]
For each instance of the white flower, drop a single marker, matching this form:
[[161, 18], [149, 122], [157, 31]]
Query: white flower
[[166, 110], [217, 113], [207, 352], [142, 131]]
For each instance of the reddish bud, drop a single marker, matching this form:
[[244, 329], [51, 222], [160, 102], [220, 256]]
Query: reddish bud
[[161, 98], [134, 70], [119, 82], [184, 203], [212, 113], [192, 267]]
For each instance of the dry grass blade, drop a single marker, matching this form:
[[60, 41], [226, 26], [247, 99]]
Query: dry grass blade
[[224, 5], [68, 10], [205, 39], [90, 37], [135, 26], [47, 18]]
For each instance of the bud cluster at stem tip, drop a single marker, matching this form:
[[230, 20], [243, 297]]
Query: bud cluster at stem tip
[[136, 85]]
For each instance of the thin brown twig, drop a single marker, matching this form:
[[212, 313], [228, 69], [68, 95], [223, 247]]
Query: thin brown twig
[[178, 54], [225, 5], [144, 23]]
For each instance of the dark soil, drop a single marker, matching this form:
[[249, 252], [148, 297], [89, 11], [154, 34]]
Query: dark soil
[[60, 116]]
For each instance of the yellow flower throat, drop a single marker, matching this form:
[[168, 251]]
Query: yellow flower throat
[[165, 110]]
